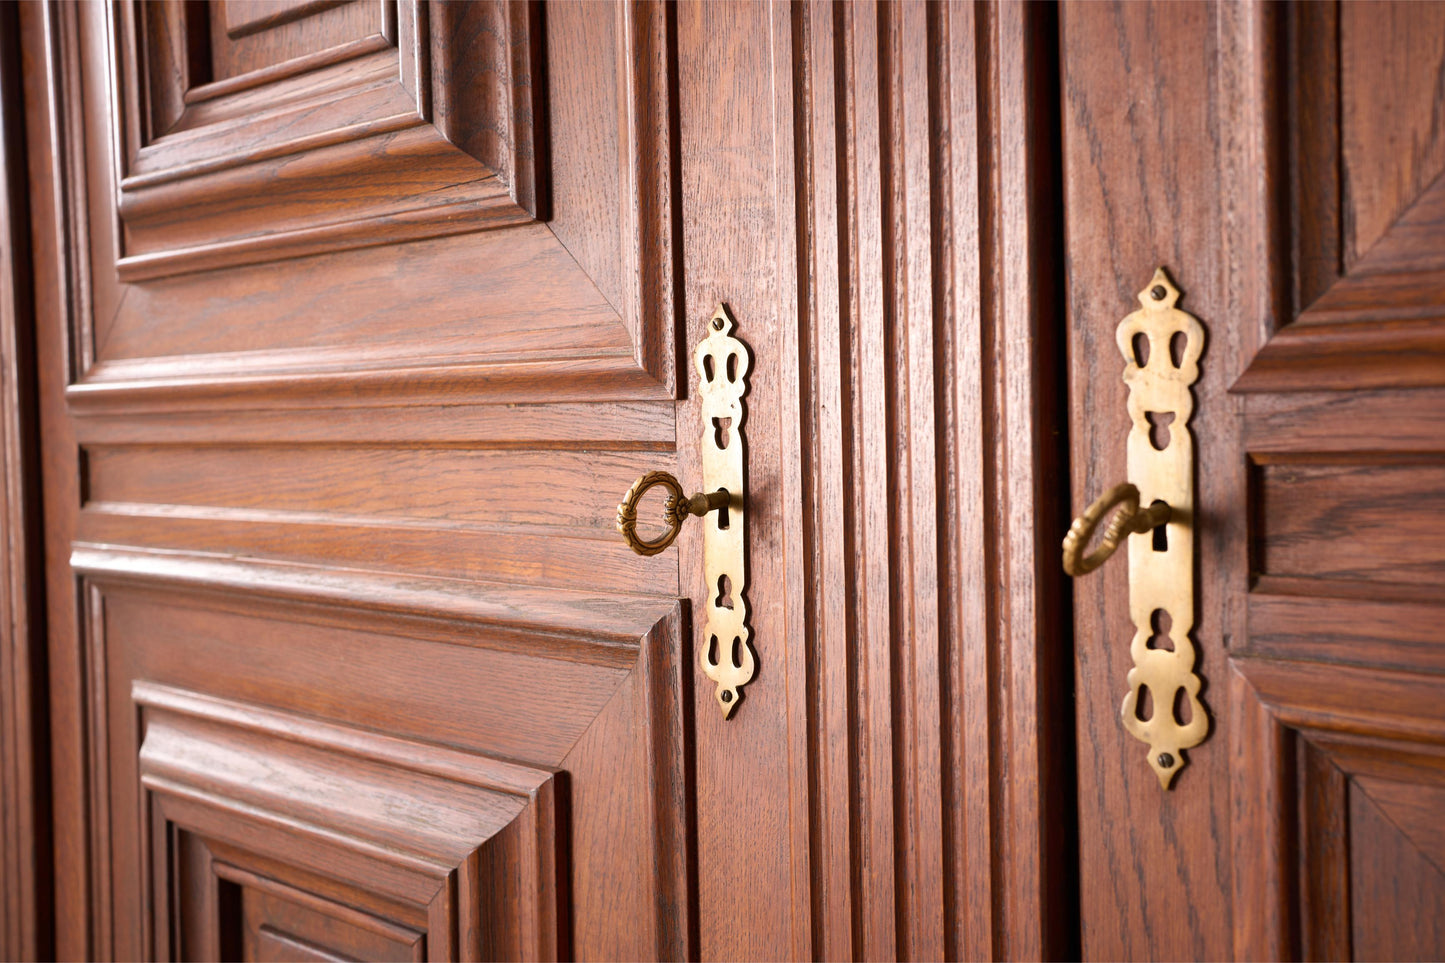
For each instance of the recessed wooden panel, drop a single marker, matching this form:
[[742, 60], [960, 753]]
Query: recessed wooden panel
[[1392, 143], [242, 177], [1359, 752], [250, 35], [1366, 519], [303, 104], [405, 823], [276, 928], [1397, 889], [1359, 278]]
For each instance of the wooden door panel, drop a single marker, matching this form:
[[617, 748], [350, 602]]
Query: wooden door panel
[[362, 335], [1345, 561], [1289, 178], [459, 847], [347, 125], [1360, 154]]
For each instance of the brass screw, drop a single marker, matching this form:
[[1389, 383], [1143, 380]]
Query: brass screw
[[1158, 292]]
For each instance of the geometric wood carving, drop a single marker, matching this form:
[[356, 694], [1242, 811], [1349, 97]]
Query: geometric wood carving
[[458, 849], [413, 121], [1359, 252], [579, 309], [1306, 736]]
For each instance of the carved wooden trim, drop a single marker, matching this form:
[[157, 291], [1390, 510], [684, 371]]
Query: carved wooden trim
[[599, 629], [1297, 729], [228, 772], [636, 363], [1344, 320], [450, 95], [922, 400]]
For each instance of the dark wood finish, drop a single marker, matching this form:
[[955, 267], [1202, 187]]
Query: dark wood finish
[[374, 678], [1283, 163], [886, 206], [25, 880], [356, 320]]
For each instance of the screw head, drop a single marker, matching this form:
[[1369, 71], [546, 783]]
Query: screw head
[[727, 696], [717, 324], [1166, 761], [1157, 292]]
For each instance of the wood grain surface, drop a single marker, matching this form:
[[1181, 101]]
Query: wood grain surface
[[26, 925], [1281, 162]]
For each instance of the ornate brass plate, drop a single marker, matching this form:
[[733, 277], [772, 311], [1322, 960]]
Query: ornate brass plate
[[722, 366], [1161, 564]]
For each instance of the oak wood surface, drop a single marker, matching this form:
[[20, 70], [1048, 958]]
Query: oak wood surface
[[26, 927], [355, 320], [1282, 163]]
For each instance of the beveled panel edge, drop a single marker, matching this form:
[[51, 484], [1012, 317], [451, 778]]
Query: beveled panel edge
[[515, 192], [1349, 355], [1361, 700], [595, 628], [474, 769], [111, 387]]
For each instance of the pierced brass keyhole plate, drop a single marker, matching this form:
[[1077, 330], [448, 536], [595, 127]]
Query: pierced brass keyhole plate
[[722, 363], [1159, 374], [722, 368]]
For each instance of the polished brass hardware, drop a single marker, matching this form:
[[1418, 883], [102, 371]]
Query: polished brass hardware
[[1128, 520], [674, 511], [726, 655], [1161, 563]]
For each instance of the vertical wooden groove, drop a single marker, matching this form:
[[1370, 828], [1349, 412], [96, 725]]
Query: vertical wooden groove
[[651, 241], [1033, 595], [26, 930], [909, 202], [48, 34], [915, 449]]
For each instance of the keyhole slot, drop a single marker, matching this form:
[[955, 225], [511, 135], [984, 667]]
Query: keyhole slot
[[1141, 349], [1161, 623], [1183, 711], [1144, 705], [1160, 533], [724, 598], [732, 371], [722, 513], [722, 432], [708, 369], [712, 652], [1159, 422], [1177, 344], [737, 652]]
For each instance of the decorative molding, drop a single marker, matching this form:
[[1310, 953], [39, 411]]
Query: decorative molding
[[455, 837], [927, 361], [635, 362], [1346, 319], [600, 629], [1293, 724], [440, 120]]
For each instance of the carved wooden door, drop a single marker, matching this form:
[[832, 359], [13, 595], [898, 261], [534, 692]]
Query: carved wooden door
[[346, 365], [355, 323], [1284, 164]]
